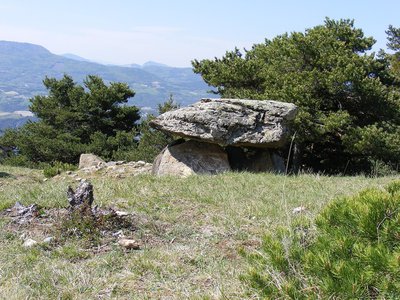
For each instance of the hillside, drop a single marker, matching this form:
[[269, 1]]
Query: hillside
[[191, 231], [23, 66]]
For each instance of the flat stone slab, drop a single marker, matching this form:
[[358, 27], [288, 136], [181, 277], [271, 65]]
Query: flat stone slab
[[234, 122]]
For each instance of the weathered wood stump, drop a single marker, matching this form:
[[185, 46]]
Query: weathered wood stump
[[82, 197]]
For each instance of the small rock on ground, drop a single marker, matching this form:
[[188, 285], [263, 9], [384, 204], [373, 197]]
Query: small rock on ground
[[129, 244], [29, 243], [299, 209], [48, 239]]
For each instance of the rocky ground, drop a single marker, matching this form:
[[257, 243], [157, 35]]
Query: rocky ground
[[115, 169], [118, 169]]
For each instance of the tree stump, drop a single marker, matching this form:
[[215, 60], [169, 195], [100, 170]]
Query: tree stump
[[82, 197]]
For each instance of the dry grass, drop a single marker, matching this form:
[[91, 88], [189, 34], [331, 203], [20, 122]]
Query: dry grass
[[194, 228]]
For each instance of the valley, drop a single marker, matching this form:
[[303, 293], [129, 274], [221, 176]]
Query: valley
[[23, 67]]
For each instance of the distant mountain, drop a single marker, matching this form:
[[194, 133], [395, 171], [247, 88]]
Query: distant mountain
[[133, 66], [154, 64], [23, 67], [149, 64], [75, 57]]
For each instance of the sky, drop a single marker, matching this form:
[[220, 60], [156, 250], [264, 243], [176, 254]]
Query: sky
[[175, 32]]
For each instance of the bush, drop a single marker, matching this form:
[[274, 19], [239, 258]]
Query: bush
[[380, 168], [18, 161], [351, 252], [56, 168], [151, 141]]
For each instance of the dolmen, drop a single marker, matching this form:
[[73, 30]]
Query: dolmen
[[218, 135]]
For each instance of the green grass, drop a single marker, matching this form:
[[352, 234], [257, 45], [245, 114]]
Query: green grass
[[192, 230]]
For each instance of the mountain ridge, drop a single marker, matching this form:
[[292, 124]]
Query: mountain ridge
[[76, 57], [23, 66]]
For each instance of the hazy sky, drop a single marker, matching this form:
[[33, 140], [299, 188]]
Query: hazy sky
[[176, 31]]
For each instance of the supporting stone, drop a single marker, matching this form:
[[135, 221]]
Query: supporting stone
[[191, 157]]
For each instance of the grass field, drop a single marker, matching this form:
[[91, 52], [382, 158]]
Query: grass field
[[191, 230]]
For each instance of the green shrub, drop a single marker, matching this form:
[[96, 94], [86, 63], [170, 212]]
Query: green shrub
[[351, 252], [88, 228], [80, 224], [151, 141], [149, 146], [18, 161], [71, 252], [56, 168], [380, 168]]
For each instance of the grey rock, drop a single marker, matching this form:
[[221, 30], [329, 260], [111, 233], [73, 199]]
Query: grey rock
[[235, 122], [92, 164], [191, 157], [119, 234], [120, 213], [48, 239], [29, 243], [299, 209], [129, 244], [140, 163], [87, 160]]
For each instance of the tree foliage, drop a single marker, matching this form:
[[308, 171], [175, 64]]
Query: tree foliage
[[74, 119], [69, 107], [342, 91], [393, 38], [394, 44], [153, 141]]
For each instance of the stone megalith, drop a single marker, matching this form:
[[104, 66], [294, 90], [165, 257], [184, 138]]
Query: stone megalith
[[233, 122], [225, 134]]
